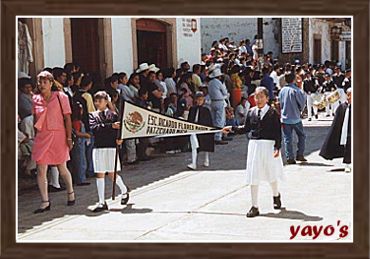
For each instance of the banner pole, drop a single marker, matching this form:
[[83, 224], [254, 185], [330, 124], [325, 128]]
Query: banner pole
[[119, 133]]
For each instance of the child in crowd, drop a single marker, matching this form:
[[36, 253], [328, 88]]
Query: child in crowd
[[105, 125], [201, 142], [79, 160], [242, 111], [264, 161]]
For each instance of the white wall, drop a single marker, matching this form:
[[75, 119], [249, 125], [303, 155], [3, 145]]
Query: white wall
[[122, 45], [320, 27], [342, 54], [270, 31], [53, 39], [188, 48], [235, 29]]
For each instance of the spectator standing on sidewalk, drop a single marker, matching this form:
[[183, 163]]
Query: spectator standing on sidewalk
[[292, 102], [218, 93]]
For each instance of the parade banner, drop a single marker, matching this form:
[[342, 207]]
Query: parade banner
[[138, 122]]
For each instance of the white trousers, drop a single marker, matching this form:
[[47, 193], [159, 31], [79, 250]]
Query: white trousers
[[310, 106]]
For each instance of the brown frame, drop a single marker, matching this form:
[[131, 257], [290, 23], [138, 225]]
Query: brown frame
[[358, 8]]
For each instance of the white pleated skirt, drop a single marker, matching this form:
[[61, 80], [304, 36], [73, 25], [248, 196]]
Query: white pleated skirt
[[103, 160], [261, 164]]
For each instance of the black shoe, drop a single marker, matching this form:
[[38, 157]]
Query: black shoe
[[277, 202], [309, 119], [145, 158], [71, 203], [316, 116], [227, 138], [40, 210], [125, 198], [133, 162], [55, 189], [221, 142], [301, 159], [327, 115], [291, 162], [253, 212], [101, 207], [83, 184]]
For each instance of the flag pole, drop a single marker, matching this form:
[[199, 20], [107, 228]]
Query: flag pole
[[119, 133]]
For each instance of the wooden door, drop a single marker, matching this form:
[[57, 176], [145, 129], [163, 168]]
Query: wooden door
[[317, 50], [85, 45], [152, 42]]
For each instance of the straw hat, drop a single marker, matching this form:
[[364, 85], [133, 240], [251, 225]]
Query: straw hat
[[215, 73], [142, 67]]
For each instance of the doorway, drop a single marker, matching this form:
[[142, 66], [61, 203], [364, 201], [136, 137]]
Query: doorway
[[317, 50], [153, 42], [86, 35]]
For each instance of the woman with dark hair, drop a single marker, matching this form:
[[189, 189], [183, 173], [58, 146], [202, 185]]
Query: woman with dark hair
[[134, 84], [169, 78], [184, 89], [53, 139], [25, 97]]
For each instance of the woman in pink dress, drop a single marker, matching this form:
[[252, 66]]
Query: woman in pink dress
[[53, 141]]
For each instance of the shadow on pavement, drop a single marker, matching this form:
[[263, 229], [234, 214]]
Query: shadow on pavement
[[313, 164], [227, 157], [292, 214]]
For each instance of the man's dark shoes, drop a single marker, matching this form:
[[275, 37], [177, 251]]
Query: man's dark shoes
[[253, 212], [291, 162], [83, 184], [301, 159], [221, 142]]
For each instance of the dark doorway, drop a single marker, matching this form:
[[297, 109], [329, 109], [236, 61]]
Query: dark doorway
[[317, 51], [334, 50], [348, 54], [152, 42], [85, 46]]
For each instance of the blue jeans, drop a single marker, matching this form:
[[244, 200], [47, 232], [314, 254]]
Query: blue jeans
[[90, 164], [79, 160], [288, 139], [218, 117]]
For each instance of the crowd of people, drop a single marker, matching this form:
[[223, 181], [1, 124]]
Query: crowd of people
[[219, 91]]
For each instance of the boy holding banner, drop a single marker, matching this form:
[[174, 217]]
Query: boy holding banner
[[105, 125]]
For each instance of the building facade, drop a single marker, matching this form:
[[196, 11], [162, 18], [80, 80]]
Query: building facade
[[310, 40], [117, 44]]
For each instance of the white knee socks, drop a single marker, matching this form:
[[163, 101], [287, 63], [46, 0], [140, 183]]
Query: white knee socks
[[274, 187], [254, 192], [54, 179], [100, 184], [206, 159], [194, 155], [121, 185]]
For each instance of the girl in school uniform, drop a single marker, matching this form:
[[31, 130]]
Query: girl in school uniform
[[264, 162], [105, 124]]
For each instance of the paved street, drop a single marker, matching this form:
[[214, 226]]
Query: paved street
[[170, 203]]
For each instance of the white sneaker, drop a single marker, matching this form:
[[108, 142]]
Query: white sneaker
[[206, 163], [192, 166]]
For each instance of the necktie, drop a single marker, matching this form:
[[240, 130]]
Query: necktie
[[102, 115], [259, 114]]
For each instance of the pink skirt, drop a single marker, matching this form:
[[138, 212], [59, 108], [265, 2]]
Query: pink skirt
[[50, 148]]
